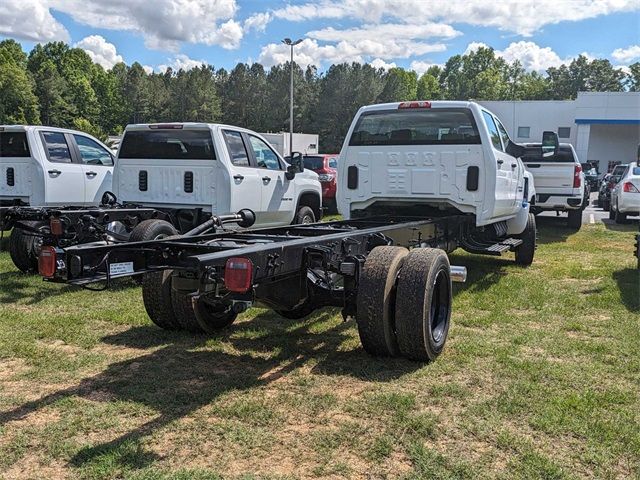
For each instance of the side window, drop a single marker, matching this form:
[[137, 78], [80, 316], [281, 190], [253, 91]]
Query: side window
[[57, 147], [503, 133], [493, 131], [237, 150], [265, 157], [91, 152]]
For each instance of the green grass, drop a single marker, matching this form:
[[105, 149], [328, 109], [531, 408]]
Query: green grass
[[540, 378]]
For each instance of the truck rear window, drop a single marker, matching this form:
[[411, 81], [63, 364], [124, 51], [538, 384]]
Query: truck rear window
[[14, 144], [168, 145], [313, 163], [437, 126], [534, 155]]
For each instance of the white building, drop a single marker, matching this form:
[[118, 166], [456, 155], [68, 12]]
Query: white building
[[603, 127], [306, 143]]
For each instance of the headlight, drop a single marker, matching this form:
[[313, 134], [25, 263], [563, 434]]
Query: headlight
[[325, 177]]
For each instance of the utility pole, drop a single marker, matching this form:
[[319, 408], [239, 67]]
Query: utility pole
[[288, 41]]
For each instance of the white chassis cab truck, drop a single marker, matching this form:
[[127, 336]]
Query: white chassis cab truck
[[559, 179], [47, 167], [171, 178], [416, 180], [438, 158]]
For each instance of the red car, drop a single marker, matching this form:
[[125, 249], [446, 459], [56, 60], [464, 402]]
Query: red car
[[326, 166]]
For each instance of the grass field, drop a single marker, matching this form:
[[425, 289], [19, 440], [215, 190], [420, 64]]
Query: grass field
[[540, 378]]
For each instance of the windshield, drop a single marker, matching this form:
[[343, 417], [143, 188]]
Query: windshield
[[14, 144], [437, 126], [168, 145], [313, 163]]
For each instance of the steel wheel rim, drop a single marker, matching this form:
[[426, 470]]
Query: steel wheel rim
[[439, 308]]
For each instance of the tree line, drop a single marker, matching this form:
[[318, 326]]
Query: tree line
[[57, 85]]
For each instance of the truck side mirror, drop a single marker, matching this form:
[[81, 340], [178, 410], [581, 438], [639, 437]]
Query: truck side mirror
[[296, 165], [550, 144]]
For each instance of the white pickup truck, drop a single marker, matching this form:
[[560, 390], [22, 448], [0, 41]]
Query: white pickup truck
[[180, 173], [48, 166], [441, 157], [559, 179]]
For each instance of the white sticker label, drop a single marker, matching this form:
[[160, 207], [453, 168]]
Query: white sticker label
[[120, 268]]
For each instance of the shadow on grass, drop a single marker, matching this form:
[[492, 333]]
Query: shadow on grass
[[553, 229], [30, 289], [180, 375], [482, 271], [628, 281], [631, 226]]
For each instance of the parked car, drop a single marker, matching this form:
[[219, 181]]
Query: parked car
[[591, 177], [625, 195], [604, 194], [559, 181], [325, 165], [47, 166], [183, 174]]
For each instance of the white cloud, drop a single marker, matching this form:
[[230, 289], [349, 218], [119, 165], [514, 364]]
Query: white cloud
[[180, 62], [517, 16], [627, 55], [148, 69], [257, 22], [420, 67], [529, 54], [362, 44], [30, 20], [164, 24], [379, 63], [532, 56], [100, 51]]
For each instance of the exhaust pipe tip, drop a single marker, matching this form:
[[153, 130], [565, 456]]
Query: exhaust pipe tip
[[458, 273]]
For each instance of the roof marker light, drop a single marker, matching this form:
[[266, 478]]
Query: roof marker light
[[166, 126]]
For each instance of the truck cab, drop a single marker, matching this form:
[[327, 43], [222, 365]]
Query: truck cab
[[195, 170], [47, 166], [442, 156]]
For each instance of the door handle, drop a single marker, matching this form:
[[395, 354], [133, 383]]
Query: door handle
[[91, 174], [54, 172], [266, 179], [514, 165], [238, 177], [500, 161]]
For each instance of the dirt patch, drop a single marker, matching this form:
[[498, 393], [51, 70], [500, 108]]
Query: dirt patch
[[31, 466]]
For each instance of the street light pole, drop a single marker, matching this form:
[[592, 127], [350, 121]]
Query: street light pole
[[288, 41]]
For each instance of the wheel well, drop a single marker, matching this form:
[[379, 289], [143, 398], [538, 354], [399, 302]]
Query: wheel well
[[312, 200]]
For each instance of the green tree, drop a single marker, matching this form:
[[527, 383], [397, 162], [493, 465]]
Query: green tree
[[428, 88], [633, 77], [400, 85], [18, 103]]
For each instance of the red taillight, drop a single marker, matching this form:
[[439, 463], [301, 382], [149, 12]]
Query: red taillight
[[55, 225], [418, 104], [629, 187], [576, 176], [164, 126], [47, 262], [238, 274]]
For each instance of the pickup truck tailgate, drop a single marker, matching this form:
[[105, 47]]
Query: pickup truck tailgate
[[550, 177]]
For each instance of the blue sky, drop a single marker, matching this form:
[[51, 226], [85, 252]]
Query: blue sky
[[408, 33]]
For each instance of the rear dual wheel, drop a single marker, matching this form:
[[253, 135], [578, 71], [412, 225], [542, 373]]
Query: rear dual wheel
[[404, 302], [24, 247]]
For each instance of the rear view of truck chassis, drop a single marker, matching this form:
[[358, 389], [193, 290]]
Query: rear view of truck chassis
[[390, 274]]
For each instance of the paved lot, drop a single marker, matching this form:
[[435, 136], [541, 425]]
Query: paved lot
[[592, 214]]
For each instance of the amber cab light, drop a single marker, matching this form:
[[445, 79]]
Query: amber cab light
[[238, 274], [47, 261]]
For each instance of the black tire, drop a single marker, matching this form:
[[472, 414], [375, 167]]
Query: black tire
[[606, 205], [375, 302], [526, 251], [612, 214], [304, 216], [423, 304], [332, 206], [212, 318], [619, 218], [24, 247], [574, 219], [183, 309], [19, 250], [599, 204], [156, 296], [153, 229]]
